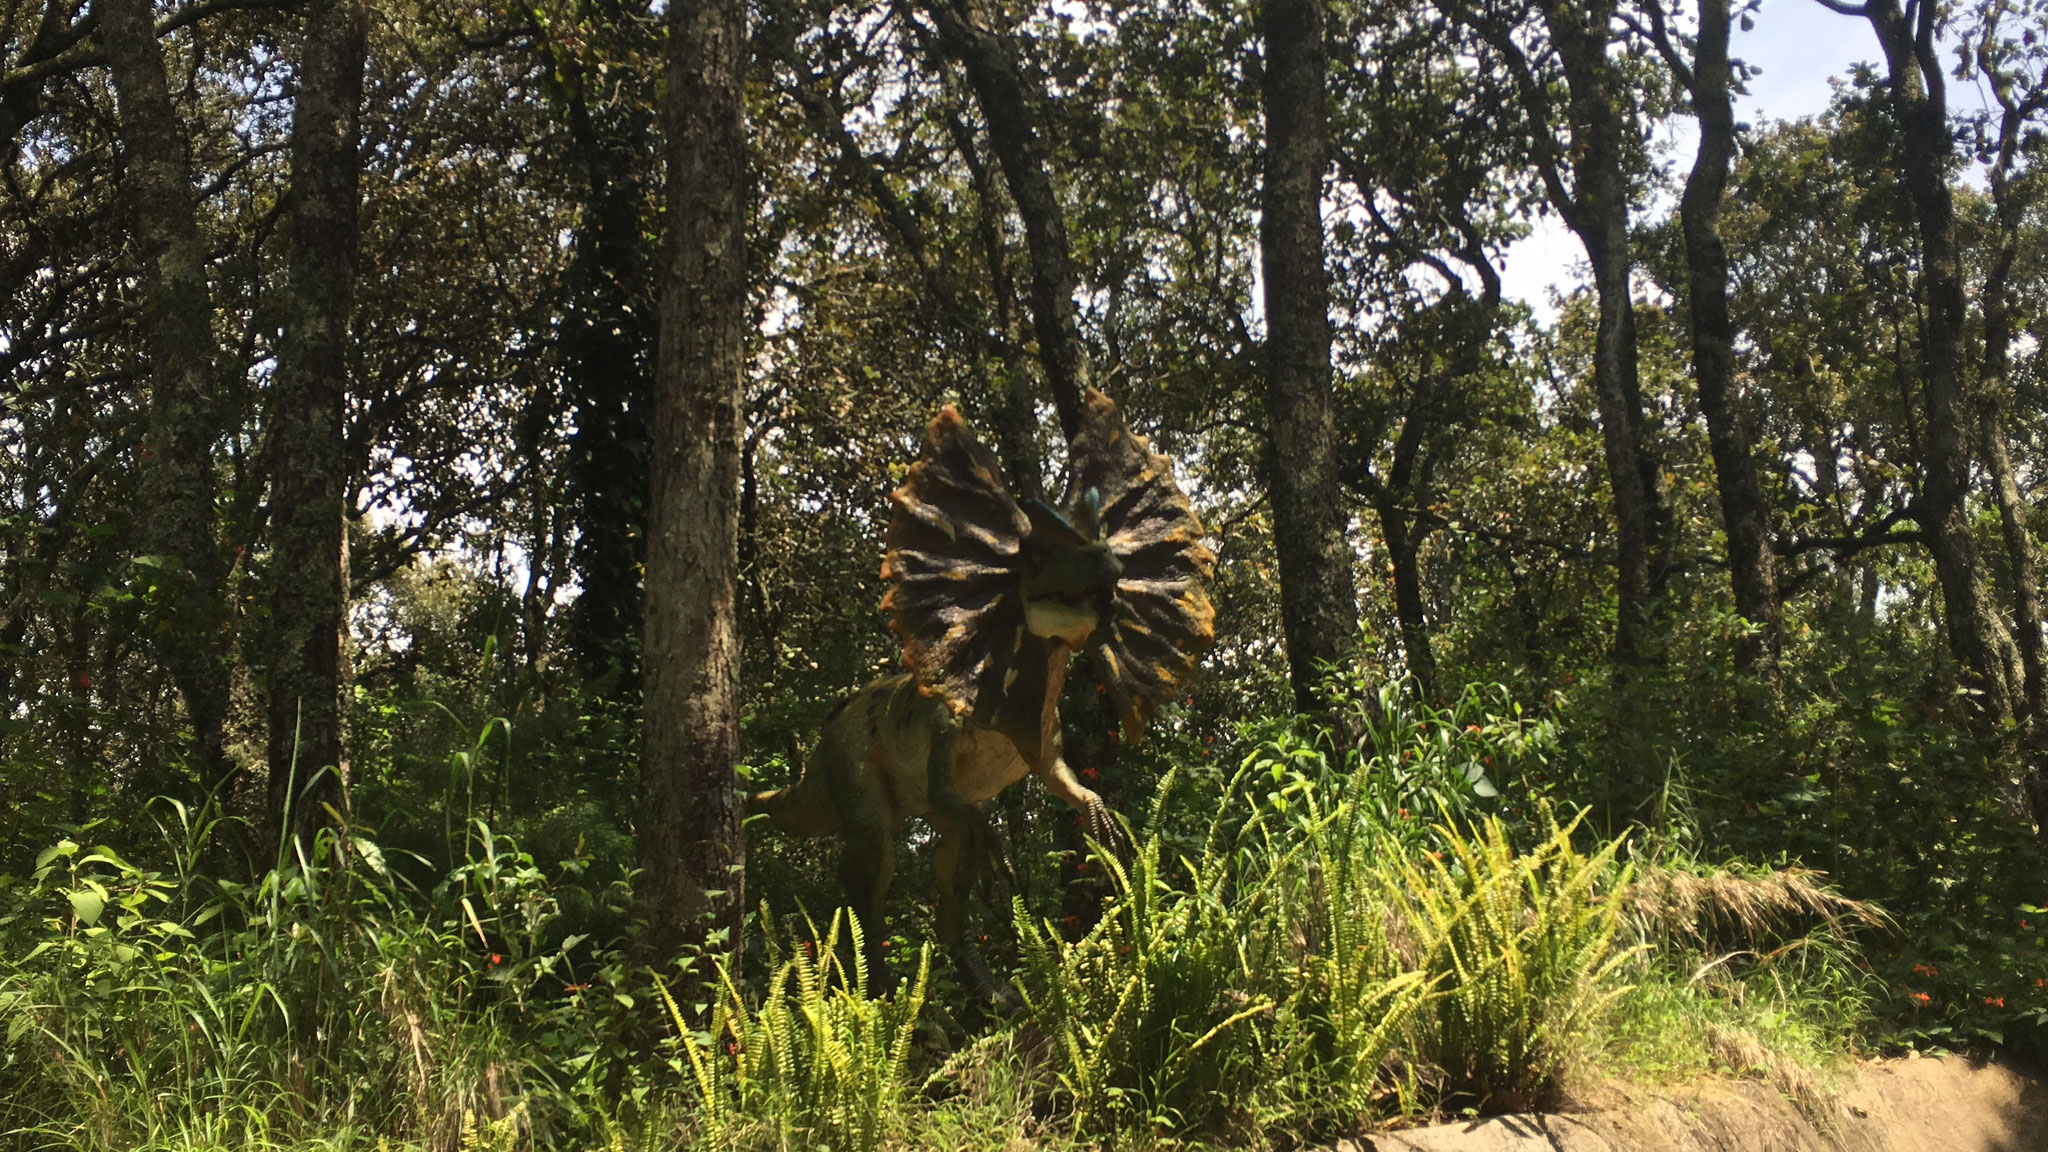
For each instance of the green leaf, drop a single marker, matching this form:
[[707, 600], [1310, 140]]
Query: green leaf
[[60, 848], [371, 854], [87, 906]]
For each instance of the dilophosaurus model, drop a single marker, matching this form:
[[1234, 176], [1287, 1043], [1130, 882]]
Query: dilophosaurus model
[[991, 597]]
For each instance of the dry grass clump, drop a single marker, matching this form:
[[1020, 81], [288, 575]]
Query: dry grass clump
[[1741, 1051], [1733, 905]]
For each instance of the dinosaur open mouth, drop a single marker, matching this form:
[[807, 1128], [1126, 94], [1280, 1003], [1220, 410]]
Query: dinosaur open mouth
[[1082, 597]]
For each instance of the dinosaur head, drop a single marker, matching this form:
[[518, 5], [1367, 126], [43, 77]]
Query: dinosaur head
[[1069, 576], [989, 594]]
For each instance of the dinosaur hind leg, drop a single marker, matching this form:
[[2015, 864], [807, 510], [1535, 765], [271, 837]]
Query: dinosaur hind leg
[[867, 862], [956, 858]]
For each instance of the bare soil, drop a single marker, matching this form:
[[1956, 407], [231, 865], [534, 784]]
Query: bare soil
[[1914, 1104]]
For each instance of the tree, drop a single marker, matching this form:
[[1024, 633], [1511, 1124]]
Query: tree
[[968, 34], [1708, 80], [607, 341], [177, 328], [692, 855], [1585, 176], [2012, 68], [310, 469], [1427, 155], [1925, 156], [1310, 516]]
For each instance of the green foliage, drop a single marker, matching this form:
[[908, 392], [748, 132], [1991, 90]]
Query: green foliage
[[1525, 945], [1410, 761], [1789, 1014], [326, 999], [819, 1062], [1164, 1015], [1264, 984], [1291, 954]]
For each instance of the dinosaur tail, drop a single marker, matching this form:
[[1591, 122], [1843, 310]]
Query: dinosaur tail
[[803, 808]]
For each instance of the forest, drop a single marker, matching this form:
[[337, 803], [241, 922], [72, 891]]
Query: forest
[[449, 456]]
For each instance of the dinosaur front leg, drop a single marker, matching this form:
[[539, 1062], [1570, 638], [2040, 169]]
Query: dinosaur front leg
[[1102, 823]]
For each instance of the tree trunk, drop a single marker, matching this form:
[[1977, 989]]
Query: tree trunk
[[1976, 635], [309, 466], [1016, 422], [967, 33], [177, 334], [1318, 599], [1403, 553], [1407, 488], [1994, 389], [1598, 214], [691, 852], [607, 346], [1752, 568]]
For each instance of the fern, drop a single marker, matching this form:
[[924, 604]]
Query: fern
[[1524, 944], [819, 1062]]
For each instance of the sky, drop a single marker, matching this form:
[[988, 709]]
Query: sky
[[1799, 47]]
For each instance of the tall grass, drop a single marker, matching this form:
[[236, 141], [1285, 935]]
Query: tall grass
[[1305, 948], [1526, 946], [324, 1000]]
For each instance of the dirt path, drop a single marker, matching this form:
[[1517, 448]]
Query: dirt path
[[1917, 1104]]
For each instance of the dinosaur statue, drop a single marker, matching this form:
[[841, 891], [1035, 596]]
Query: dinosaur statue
[[991, 598]]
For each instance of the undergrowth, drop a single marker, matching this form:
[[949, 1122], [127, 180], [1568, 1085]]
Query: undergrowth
[[1385, 920]]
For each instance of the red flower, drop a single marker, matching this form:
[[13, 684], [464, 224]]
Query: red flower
[[1070, 920], [1919, 997], [1404, 813], [1995, 1001], [1925, 970], [1091, 774], [1470, 728], [497, 959]]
